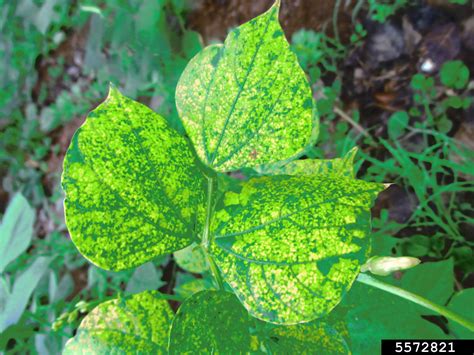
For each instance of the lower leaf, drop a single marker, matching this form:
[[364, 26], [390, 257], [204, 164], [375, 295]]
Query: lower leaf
[[210, 322], [306, 339], [134, 324], [110, 342]]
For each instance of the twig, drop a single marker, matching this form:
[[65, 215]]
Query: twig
[[353, 123]]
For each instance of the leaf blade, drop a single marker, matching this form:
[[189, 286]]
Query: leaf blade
[[133, 190], [247, 102], [338, 166], [211, 322], [16, 230], [137, 323], [22, 289], [288, 252], [302, 337]]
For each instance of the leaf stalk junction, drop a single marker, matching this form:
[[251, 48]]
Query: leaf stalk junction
[[206, 234]]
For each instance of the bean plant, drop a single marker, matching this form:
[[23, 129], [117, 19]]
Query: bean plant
[[283, 246]]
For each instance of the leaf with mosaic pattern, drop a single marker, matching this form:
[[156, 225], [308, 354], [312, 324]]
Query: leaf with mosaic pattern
[[135, 324], [247, 102], [290, 247], [305, 339], [337, 166], [210, 322], [133, 190]]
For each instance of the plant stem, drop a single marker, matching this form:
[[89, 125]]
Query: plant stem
[[206, 235], [354, 124], [215, 272], [371, 281]]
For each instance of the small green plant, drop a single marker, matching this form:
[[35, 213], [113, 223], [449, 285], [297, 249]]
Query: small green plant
[[287, 244], [438, 169], [380, 10]]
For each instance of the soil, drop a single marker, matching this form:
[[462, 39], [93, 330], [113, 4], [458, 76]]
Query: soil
[[213, 18]]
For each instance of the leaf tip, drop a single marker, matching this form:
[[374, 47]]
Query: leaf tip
[[351, 154], [113, 92]]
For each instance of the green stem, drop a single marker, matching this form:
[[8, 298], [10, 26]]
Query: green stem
[[371, 281], [215, 272], [206, 236]]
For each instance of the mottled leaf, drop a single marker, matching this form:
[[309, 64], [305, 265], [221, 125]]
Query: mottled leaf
[[247, 102], [132, 187], [337, 167], [192, 259], [306, 339], [462, 303], [211, 322], [109, 342], [137, 324], [16, 230], [290, 247]]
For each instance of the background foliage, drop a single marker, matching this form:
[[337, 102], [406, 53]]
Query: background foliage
[[392, 77]]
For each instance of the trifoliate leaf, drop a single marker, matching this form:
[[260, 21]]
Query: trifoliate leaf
[[132, 187], [210, 322], [247, 102], [454, 74], [290, 247], [137, 324], [192, 259], [306, 339]]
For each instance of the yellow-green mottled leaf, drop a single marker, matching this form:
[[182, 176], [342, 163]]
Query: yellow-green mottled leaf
[[109, 343], [247, 102], [138, 324], [290, 247], [306, 339], [210, 322], [338, 166], [133, 190], [192, 259]]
